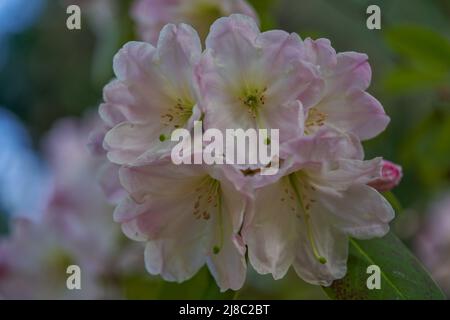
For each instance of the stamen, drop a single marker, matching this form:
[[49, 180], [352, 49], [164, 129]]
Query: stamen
[[321, 259], [315, 118], [218, 248], [253, 100], [178, 114], [209, 200]]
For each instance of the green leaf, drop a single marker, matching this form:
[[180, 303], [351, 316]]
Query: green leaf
[[402, 79], [429, 137], [395, 203], [265, 9], [422, 46], [426, 59], [402, 276]]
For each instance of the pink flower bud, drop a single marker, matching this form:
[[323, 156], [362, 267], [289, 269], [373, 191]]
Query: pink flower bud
[[391, 174]]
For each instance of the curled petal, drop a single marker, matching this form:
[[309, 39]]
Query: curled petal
[[321, 53], [352, 71]]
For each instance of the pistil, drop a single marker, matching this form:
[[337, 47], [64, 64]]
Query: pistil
[[253, 100], [209, 200], [305, 204]]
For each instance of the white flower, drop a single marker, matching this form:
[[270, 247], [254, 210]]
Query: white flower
[[304, 216]]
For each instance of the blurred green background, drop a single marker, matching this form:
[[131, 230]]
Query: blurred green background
[[49, 73]]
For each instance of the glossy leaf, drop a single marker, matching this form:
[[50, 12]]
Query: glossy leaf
[[402, 276]]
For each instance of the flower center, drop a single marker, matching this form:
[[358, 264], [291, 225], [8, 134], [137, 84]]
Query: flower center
[[178, 114], [315, 118], [253, 99]]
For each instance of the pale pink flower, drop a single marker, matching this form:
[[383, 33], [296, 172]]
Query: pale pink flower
[[432, 243], [249, 79], [344, 103], [34, 260], [77, 202], [154, 93], [151, 15], [67, 146], [108, 175], [391, 175], [304, 215], [188, 215], [77, 228]]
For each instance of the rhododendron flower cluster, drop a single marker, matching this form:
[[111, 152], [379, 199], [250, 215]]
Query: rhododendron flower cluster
[[192, 215]]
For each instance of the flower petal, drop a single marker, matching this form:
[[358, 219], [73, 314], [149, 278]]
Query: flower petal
[[110, 184], [175, 259], [352, 71], [127, 141], [123, 102], [331, 244], [229, 267], [232, 40], [355, 111], [289, 119], [179, 49], [341, 174], [271, 230], [325, 145], [239, 6], [321, 53], [361, 211]]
